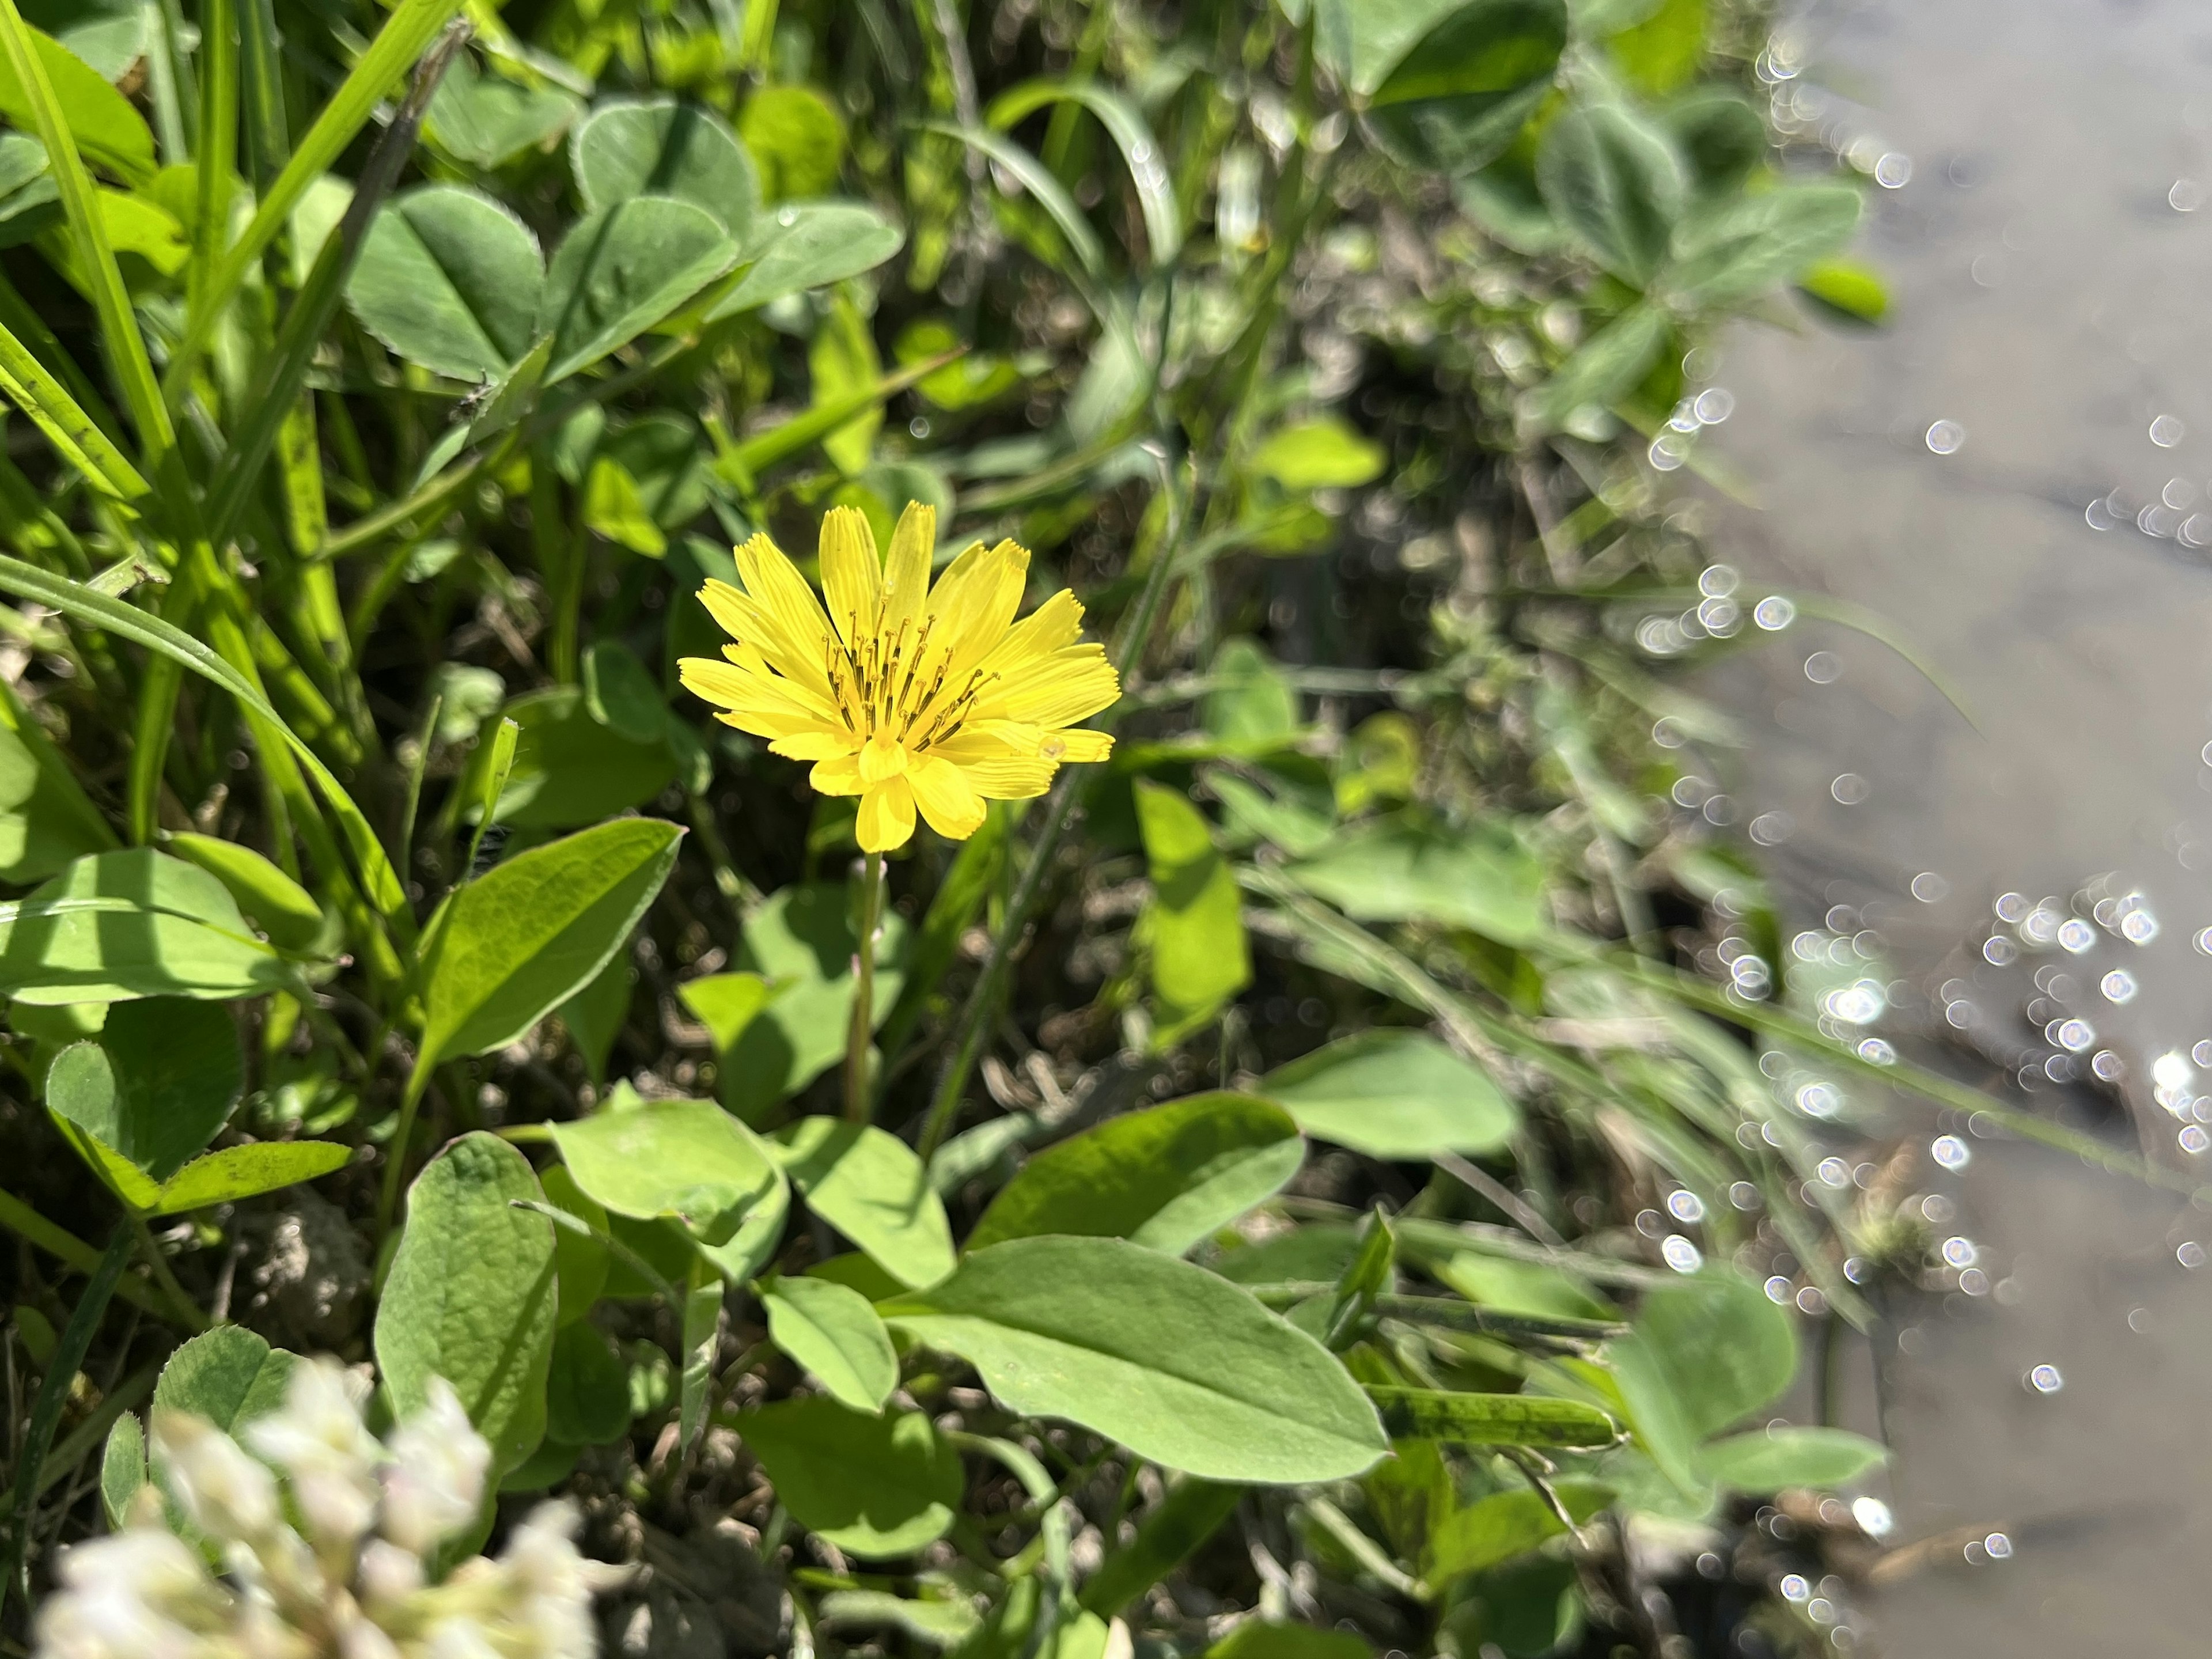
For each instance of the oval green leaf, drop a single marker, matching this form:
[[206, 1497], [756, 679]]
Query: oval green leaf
[[1767, 1460], [658, 147], [688, 1159], [157, 1082], [450, 279], [271, 900], [868, 1184], [874, 1487], [1395, 870], [1177, 1364], [1394, 1094], [833, 1332], [622, 270]]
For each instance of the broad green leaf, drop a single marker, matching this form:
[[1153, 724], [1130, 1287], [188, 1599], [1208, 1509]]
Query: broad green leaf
[[1323, 453], [1165, 1177], [868, 1184], [800, 939], [248, 1171], [945, 1624], [1847, 291], [1252, 706], [726, 1004], [614, 507], [1665, 51], [482, 119], [523, 939], [1251, 814], [271, 900], [1767, 1460], [841, 362], [688, 1159], [135, 923], [833, 1332], [1494, 1530], [450, 279], [581, 1264], [470, 1295], [586, 1388], [1362, 41], [621, 269], [630, 147], [1394, 1094], [1613, 180], [665, 456], [1177, 1364], [45, 818], [1723, 1345], [1523, 1288], [109, 132], [796, 138], [1719, 137], [1763, 240], [1491, 1420], [805, 244], [122, 1468], [156, 1084], [874, 1487], [1194, 924], [1604, 367], [107, 34], [568, 769], [1458, 98], [227, 1376], [1477, 878]]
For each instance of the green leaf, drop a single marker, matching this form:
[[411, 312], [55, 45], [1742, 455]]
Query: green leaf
[[1457, 98], [586, 1388], [470, 1295], [1847, 291], [482, 119], [1494, 1530], [156, 1085], [248, 1171], [523, 939], [271, 900], [122, 1468], [1177, 1364], [1766, 1460], [657, 147], [874, 1487], [868, 1184], [570, 769], [450, 279], [1613, 180], [796, 137], [1394, 1094], [800, 939], [596, 1014], [581, 1263], [45, 818], [107, 34], [1664, 50], [135, 923], [1604, 367], [1705, 1352], [621, 269], [1323, 453], [614, 507], [833, 1332], [946, 1624], [807, 244], [1719, 135], [1165, 1177], [1491, 1420], [1362, 41], [688, 1159], [843, 362], [227, 1376], [1252, 706], [1479, 878], [1764, 241], [1194, 924], [1261, 1638], [109, 132]]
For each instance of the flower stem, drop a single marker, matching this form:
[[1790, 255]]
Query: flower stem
[[857, 1104]]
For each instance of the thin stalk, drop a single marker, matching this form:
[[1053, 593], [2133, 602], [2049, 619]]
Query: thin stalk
[[863, 989], [165, 1276], [53, 1395]]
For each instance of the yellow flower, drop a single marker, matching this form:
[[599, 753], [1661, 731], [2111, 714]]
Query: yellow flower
[[903, 693]]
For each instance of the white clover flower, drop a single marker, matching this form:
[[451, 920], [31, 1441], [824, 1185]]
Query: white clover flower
[[434, 1483], [319, 1439], [226, 1494], [459, 1636], [553, 1583], [127, 1597], [388, 1574]]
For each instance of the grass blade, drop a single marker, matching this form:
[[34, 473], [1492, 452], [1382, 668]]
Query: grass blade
[[75, 433]]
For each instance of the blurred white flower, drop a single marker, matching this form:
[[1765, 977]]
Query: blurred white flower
[[145, 1594], [434, 1483]]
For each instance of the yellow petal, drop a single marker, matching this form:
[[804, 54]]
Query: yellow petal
[[1070, 685], [947, 799], [1058, 622], [1076, 745], [759, 627], [1009, 779], [851, 575], [836, 775], [887, 820], [819, 744], [760, 705], [906, 571], [881, 758], [773, 583], [973, 603]]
